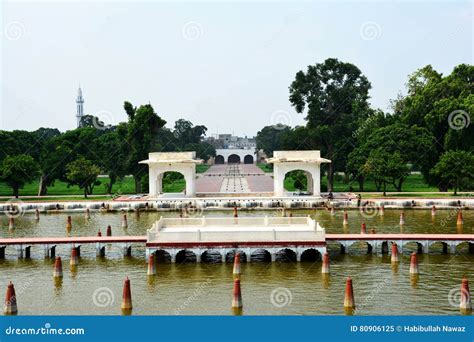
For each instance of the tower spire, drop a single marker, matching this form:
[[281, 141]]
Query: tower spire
[[79, 106]]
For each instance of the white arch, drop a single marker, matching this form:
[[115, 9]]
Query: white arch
[[286, 161], [226, 152], [161, 162]]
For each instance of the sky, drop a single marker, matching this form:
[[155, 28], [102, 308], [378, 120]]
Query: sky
[[226, 65]]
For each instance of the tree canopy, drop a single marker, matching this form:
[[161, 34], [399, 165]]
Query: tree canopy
[[334, 95]]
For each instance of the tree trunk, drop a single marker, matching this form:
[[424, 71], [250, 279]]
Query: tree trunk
[[138, 185], [399, 185], [85, 192], [360, 180], [109, 188], [16, 190], [330, 177], [384, 188], [112, 180], [377, 185], [43, 188]]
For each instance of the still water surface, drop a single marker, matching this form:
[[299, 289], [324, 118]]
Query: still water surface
[[267, 288]]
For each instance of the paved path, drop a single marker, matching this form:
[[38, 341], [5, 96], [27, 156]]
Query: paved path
[[234, 178]]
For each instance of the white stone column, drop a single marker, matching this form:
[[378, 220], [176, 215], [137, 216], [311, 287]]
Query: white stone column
[[317, 180], [278, 179], [310, 181], [151, 181], [190, 176]]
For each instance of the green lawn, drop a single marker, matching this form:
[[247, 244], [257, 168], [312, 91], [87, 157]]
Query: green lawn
[[413, 183], [265, 167], [176, 186], [126, 186], [201, 168]]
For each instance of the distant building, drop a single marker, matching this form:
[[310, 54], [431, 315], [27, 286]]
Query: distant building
[[79, 107], [229, 141]]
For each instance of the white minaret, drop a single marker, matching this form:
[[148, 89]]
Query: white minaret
[[80, 106]]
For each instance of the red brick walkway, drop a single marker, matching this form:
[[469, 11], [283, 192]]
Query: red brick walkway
[[211, 180]]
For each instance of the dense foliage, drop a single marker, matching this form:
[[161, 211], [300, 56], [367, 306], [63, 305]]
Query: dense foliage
[[78, 156], [426, 126], [428, 130]]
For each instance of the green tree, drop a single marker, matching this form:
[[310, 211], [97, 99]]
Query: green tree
[[456, 168], [83, 173], [47, 157], [414, 144], [203, 150], [186, 133], [112, 150], [92, 121], [142, 137], [18, 170], [270, 138], [334, 95], [443, 105], [386, 168], [355, 165]]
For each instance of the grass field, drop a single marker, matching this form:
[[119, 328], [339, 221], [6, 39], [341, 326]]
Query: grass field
[[125, 186], [265, 167], [413, 183]]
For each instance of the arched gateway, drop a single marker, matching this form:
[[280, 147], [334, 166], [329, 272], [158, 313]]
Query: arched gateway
[[161, 162], [235, 156], [307, 161]]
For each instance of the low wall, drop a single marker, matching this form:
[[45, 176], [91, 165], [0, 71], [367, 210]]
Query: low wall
[[244, 203], [244, 229]]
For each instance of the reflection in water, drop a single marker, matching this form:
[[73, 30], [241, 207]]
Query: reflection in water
[[126, 312], [237, 311], [58, 284], [349, 311], [73, 269], [414, 280], [325, 280]]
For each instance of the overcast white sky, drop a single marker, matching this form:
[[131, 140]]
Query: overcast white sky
[[225, 65]]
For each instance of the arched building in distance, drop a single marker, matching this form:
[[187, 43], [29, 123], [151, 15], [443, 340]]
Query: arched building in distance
[[235, 156]]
